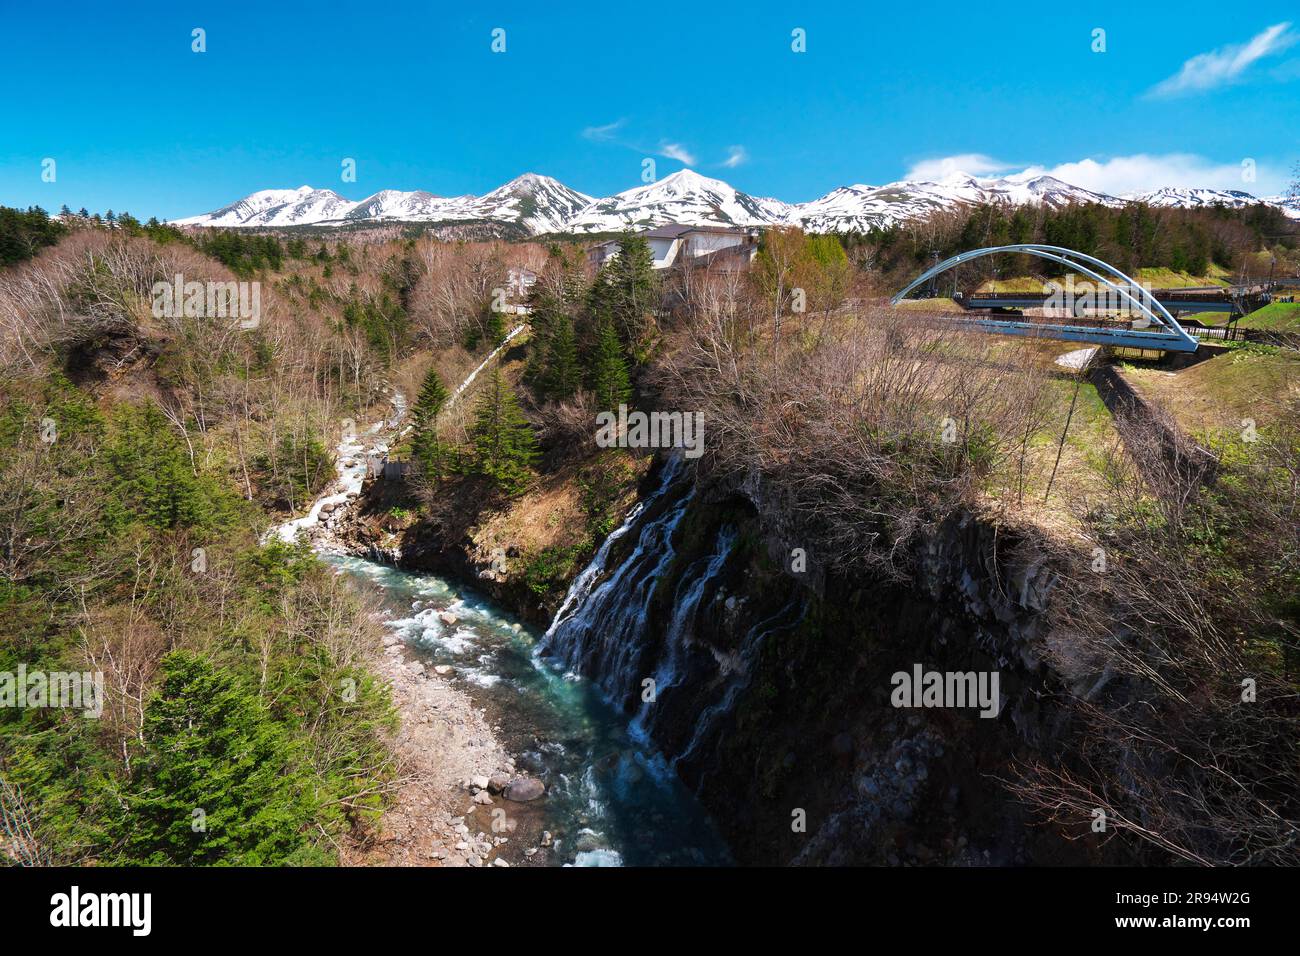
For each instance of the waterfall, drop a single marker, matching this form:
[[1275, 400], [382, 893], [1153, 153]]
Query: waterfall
[[582, 584], [605, 635], [605, 630], [686, 602], [738, 679], [600, 630]]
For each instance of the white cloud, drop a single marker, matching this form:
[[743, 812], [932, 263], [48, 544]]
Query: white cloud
[[1143, 172], [609, 133], [1205, 71], [973, 164], [603, 134], [678, 152], [736, 155], [1118, 175]]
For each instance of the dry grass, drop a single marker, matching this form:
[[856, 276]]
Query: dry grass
[[1216, 395]]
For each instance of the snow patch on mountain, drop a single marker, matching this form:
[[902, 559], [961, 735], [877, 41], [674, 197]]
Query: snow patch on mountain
[[1184, 198], [417, 206], [538, 204], [859, 207], [685, 198], [277, 207]]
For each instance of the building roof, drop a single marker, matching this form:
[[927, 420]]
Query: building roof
[[665, 232], [676, 231]]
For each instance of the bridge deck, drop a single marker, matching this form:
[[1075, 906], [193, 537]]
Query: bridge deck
[[1180, 300], [1093, 330]]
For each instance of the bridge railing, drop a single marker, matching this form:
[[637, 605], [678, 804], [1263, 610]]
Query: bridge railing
[[1163, 295]]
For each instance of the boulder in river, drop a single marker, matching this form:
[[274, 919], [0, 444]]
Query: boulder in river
[[523, 789], [447, 618], [498, 782]]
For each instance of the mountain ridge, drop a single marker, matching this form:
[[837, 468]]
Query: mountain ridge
[[540, 205]]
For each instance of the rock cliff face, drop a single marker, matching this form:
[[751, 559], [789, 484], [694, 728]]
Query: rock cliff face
[[767, 685], [772, 685], [382, 526]]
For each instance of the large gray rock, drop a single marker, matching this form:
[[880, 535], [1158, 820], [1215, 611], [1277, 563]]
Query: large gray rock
[[523, 789]]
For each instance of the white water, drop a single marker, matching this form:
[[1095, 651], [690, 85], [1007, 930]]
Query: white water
[[605, 633], [351, 455], [669, 672], [580, 589], [609, 799], [354, 449]]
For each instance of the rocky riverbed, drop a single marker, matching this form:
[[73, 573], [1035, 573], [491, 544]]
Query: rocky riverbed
[[461, 802], [456, 778]]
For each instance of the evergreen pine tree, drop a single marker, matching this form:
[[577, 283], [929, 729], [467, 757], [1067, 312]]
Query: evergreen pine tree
[[494, 327], [503, 438], [563, 375], [428, 450], [543, 310], [212, 746], [609, 378], [429, 403], [631, 288], [152, 478], [552, 300]]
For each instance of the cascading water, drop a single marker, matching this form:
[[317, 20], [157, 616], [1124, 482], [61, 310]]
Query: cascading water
[[737, 673], [609, 799], [606, 631], [699, 577], [582, 584], [611, 796]]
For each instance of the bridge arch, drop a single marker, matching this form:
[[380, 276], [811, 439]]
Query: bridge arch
[[1173, 338]]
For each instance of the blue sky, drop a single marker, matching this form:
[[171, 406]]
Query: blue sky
[[413, 92]]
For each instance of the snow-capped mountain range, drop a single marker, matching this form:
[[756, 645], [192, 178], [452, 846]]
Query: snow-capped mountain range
[[536, 205]]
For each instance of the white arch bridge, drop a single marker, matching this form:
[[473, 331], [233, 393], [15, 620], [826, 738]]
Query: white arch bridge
[[1154, 328]]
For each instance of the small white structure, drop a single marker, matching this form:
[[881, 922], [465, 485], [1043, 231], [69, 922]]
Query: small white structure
[[680, 245], [519, 279]]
